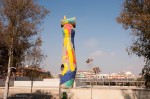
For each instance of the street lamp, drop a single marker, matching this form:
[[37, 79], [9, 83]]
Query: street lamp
[[96, 71], [12, 68]]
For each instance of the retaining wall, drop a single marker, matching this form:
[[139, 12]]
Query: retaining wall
[[44, 83]]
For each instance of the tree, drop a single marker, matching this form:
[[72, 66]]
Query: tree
[[89, 62], [32, 73], [3, 53], [3, 59], [19, 23], [96, 70], [136, 16], [146, 75], [34, 55]]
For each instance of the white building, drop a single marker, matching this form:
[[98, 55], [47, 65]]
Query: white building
[[92, 75], [102, 76]]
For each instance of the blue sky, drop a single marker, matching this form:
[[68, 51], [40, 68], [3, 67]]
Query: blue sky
[[98, 35]]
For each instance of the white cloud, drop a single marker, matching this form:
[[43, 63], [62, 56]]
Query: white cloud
[[112, 54], [101, 54], [92, 42]]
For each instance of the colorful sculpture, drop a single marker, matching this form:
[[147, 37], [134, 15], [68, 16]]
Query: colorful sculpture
[[69, 65]]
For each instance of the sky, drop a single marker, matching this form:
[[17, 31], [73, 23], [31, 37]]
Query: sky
[[98, 36]]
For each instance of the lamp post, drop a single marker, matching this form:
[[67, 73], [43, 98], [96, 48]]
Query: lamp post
[[96, 71], [89, 62]]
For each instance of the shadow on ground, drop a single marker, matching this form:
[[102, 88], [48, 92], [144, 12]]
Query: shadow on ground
[[37, 95], [136, 94]]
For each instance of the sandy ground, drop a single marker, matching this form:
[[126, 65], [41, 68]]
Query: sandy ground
[[52, 92], [85, 92]]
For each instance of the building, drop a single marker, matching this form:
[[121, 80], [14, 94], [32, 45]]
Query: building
[[85, 74], [91, 75], [102, 76]]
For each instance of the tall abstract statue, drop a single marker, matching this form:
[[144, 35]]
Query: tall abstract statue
[[69, 65]]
